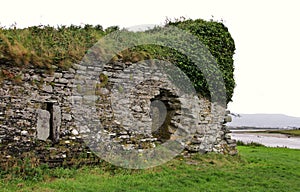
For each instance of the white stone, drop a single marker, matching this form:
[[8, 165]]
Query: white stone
[[124, 137], [16, 138], [24, 133], [128, 147], [74, 132]]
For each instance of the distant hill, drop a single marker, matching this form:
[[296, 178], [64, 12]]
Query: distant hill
[[264, 121]]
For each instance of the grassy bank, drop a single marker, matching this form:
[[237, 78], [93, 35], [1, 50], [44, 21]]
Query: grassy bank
[[255, 169], [291, 132], [295, 132]]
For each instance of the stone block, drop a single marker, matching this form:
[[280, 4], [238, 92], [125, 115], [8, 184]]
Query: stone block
[[228, 119], [63, 81], [58, 75], [49, 79], [67, 117], [47, 88], [56, 122], [43, 125]]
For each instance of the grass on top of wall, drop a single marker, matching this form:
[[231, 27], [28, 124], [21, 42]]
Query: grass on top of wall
[[50, 48], [45, 46]]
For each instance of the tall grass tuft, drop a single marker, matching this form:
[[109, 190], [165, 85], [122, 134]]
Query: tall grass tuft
[[45, 46]]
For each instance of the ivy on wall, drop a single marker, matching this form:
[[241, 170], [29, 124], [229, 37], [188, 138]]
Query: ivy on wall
[[216, 37], [217, 40]]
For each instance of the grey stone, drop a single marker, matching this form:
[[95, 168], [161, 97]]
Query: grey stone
[[137, 108], [84, 129], [89, 98], [26, 77], [126, 115], [43, 98], [63, 81], [49, 79], [56, 122], [228, 119], [47, 88], [58, 75], [79, 67], [67, 117], [35, 77], [43, 126], [71, 70], [104, 91], [68, 76], [75, 99]]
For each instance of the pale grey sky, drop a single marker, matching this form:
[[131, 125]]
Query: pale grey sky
[[266, 33]]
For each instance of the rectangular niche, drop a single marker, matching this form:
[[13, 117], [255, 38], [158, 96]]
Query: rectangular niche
[[48, 122]]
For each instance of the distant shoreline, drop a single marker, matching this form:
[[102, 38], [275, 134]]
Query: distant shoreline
[[268, 137], [289, 132], [261, 128]]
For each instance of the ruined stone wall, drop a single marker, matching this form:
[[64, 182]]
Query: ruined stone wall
[[48, 114]]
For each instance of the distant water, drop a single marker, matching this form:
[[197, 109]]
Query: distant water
[[264, 121], [268, 139]]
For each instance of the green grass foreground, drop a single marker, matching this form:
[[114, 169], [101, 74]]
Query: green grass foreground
[[255, 169]]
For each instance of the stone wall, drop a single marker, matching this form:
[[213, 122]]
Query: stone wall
[[47, 115]]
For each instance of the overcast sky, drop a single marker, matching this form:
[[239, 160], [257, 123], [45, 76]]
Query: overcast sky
[[266, 34]]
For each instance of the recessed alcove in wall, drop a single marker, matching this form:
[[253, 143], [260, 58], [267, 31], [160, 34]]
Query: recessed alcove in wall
[[163, 109], [49, 107], [48, 121]]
